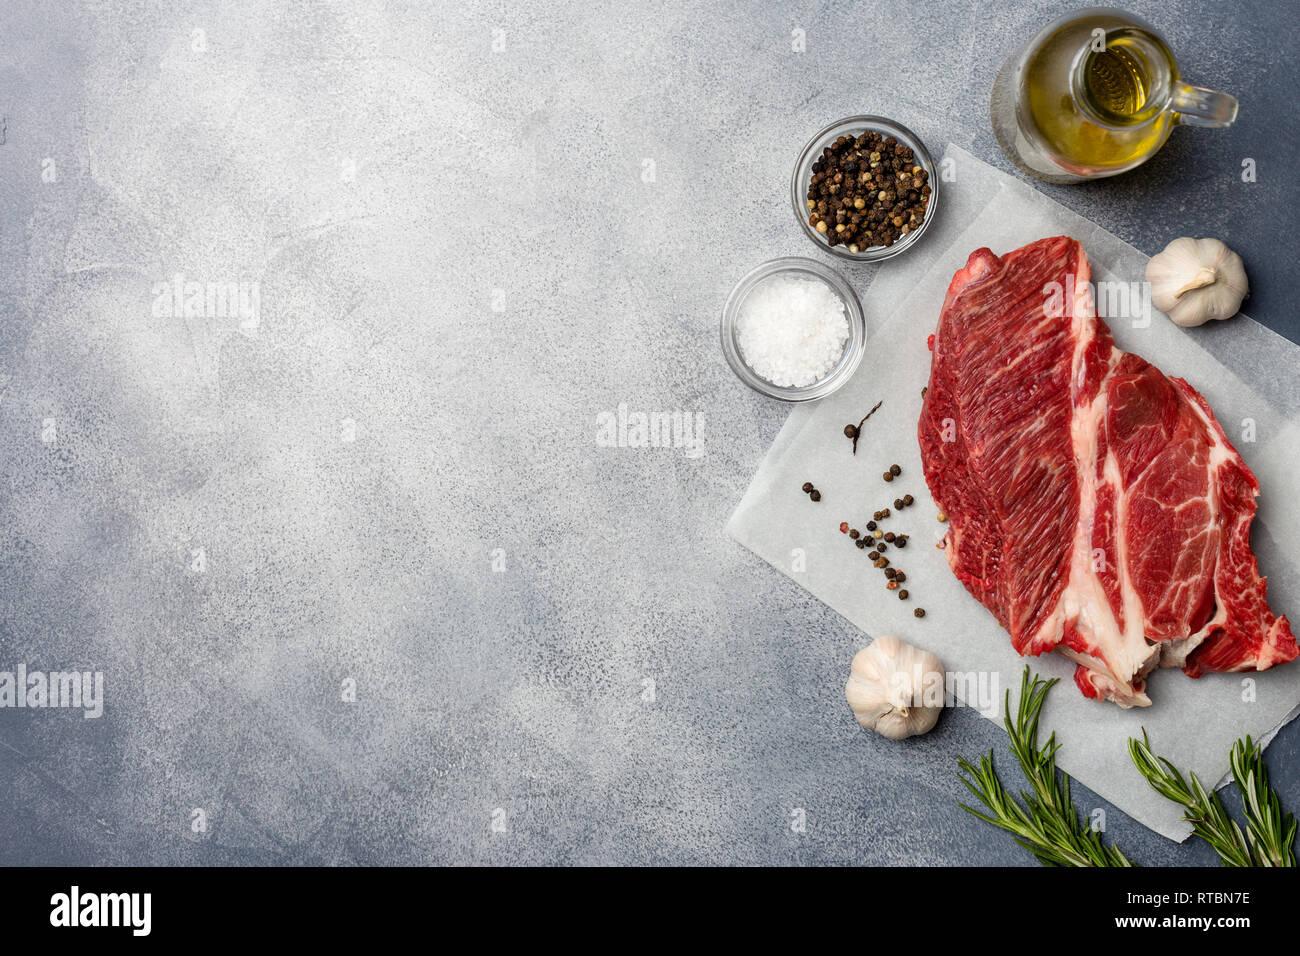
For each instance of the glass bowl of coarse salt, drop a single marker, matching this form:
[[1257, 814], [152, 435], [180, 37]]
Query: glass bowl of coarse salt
[[793, 329]]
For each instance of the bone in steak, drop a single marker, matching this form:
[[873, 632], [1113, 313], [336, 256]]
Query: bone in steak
[[1095, 505]]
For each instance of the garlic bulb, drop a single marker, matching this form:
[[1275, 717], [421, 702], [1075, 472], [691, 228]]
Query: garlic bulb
[[895, 689], [1195, 280]]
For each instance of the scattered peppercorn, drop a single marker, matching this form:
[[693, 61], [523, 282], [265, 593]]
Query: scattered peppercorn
[[853, 533], [900, 577], [884, 513], [908, 500], [844, 527], [807, 487], [919, 612], [890, 536], [855, 431], [871, 526], [882, 547], [890, 585], [870, 188], [898, 503], [877, 534], [888, 476], [901, 543], [895, 470], [902, 595], [941, 516], [876, 517], [815, 495], [861, 542]]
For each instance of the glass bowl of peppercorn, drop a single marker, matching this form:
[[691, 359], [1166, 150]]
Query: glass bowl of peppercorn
[[865, 188]]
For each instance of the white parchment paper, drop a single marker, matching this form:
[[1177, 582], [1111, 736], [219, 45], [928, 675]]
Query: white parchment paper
[[1245, 371]]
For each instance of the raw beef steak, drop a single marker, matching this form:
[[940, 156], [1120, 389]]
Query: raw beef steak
[[1095, 505]]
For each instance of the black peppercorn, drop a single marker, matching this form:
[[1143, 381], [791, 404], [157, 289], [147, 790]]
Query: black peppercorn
[[873, 176]]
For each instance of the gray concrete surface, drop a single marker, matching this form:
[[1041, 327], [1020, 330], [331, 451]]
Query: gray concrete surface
[[472, 229]]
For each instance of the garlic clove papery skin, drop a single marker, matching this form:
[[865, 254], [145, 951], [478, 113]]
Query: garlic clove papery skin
[[895, 689], [1195, 280]]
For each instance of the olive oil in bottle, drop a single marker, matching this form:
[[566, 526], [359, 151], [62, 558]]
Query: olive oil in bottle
[[1115, 80], [1087, 96], [1095, 93]]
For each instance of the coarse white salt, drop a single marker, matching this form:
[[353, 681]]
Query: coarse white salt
[[791, 331]]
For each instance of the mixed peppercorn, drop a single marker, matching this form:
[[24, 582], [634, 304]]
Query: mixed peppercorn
[[866, 191], [880, 540], [854, 432], [875, 537]]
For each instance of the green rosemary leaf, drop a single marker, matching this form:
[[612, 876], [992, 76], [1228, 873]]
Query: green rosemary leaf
[[1271, 832], [1045, 821], [1202, 809]]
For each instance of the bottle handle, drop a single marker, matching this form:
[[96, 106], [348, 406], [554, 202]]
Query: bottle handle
[[1197, 106]]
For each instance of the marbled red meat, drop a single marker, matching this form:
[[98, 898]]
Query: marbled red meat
[[1095, 505]]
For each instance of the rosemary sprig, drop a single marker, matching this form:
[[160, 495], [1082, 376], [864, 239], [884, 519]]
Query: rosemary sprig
[[1047, 824], [1270, 831], [1202, 809], [1270, 834]]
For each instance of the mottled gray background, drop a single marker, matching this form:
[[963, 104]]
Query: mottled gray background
[[458, 257]]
